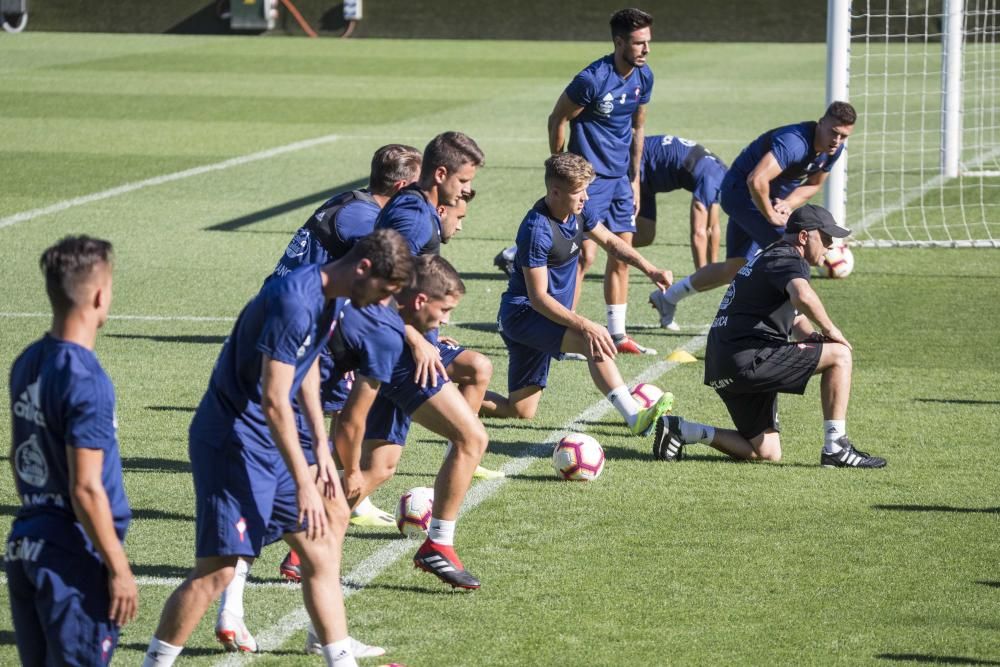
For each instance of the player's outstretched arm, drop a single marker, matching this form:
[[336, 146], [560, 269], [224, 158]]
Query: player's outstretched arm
[[350, 433], [564, 111], [622, 251], [426, 358], [808, 303], [759, 185], [276, 388], [598, 339], [93, 511]]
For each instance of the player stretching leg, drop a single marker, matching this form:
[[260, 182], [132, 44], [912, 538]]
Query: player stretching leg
[[536, 321], [749, 359]]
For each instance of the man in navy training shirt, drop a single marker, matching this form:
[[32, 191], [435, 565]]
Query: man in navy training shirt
[[70, 585], [251, 473], [763, 342], [536, 319], [779, 172], [672, 163], [605, 106]]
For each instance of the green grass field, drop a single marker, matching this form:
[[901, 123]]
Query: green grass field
[[704, 562]]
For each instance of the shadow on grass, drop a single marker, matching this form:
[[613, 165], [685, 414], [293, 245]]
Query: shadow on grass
[[160, 515], [165, 571], [198, 340], [938, 508], [935, 659], [412, 589], [537, 478], [956, 401], [489, 327], [188, 650], [7, 638], [991, 584], [170, 408], [145, 464], [313, 200]]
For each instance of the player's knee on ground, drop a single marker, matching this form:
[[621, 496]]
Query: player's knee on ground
[[767, 446]]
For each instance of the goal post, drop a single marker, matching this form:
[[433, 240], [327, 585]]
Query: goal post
[[924, 76]]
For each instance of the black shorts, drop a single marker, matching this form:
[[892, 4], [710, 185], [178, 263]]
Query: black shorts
[[751, 394]]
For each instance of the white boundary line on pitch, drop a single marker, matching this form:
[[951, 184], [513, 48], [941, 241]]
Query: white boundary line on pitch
[[58, 207], [364, 572]]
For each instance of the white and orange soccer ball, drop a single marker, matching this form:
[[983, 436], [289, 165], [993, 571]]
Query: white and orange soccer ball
[[413, 511], [838, 262], [578, 457], [646, 395]]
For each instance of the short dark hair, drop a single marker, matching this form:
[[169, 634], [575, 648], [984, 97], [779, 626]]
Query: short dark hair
[[388, 252], [68, 265], [450, 150], [842, 112], [434, 276], [393, 163], [626, 21]]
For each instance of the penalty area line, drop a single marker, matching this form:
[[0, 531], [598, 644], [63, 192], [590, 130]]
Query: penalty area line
[[367, 570]]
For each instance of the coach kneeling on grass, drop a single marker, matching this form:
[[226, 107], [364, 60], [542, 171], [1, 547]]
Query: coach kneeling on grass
[[763, 343]]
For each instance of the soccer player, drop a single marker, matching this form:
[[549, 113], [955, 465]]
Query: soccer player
[[536, 319], [252, 476], [71, 588], [605, 106], [780, 171], [763, 342], [671, 163]]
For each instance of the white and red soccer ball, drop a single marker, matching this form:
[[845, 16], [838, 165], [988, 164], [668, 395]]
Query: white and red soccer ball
[[413, 511], [578, 457], [838, 262], [646, 395]]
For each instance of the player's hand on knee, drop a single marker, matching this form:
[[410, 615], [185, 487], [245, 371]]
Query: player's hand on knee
[[599, 342], [834, 335], [427, 359], [326, 477], [352, 482], [124, 594], [312, 513]]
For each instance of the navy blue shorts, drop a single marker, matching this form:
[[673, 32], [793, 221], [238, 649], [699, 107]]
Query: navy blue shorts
[[244, 498], [610, 201], [59, 603], [532, 341], [748, 230]]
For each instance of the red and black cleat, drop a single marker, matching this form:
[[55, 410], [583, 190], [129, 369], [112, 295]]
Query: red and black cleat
[[442, 561], [290, 568]]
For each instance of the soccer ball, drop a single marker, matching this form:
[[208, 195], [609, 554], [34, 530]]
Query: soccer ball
[[838, 262], [578, 457], [646, 395], [413, 511]]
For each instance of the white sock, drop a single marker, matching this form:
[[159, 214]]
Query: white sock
[[160, 654], [232, 597], [338, 654], [442, 532], [624, 403], [681, 289], [510, 253], [695, 432], [833, 430], [616, 318], [364, 507]]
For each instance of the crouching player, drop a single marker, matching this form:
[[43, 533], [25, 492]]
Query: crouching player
[[70, 584], [251, 474], [536, 319]]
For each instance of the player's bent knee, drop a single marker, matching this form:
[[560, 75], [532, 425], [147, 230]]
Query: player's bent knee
[[767, 446]]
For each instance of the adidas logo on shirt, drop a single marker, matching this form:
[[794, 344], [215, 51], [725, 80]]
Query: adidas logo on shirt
[[28, 406]]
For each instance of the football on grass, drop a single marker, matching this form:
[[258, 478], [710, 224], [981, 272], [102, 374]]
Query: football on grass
[[646, 395], [413, 511], [578, 457], [838, 262]]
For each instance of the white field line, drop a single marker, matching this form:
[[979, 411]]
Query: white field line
[[58, 207], [141, 318], [364, 572]]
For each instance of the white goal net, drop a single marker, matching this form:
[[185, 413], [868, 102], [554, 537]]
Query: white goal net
[[924, 160]]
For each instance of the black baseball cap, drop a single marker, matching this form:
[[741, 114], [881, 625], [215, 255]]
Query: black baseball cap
[[810, 217]]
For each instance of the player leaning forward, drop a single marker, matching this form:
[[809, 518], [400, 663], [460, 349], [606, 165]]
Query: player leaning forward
[[536, 319], [252, 474], [71, 588], [770, 336]]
